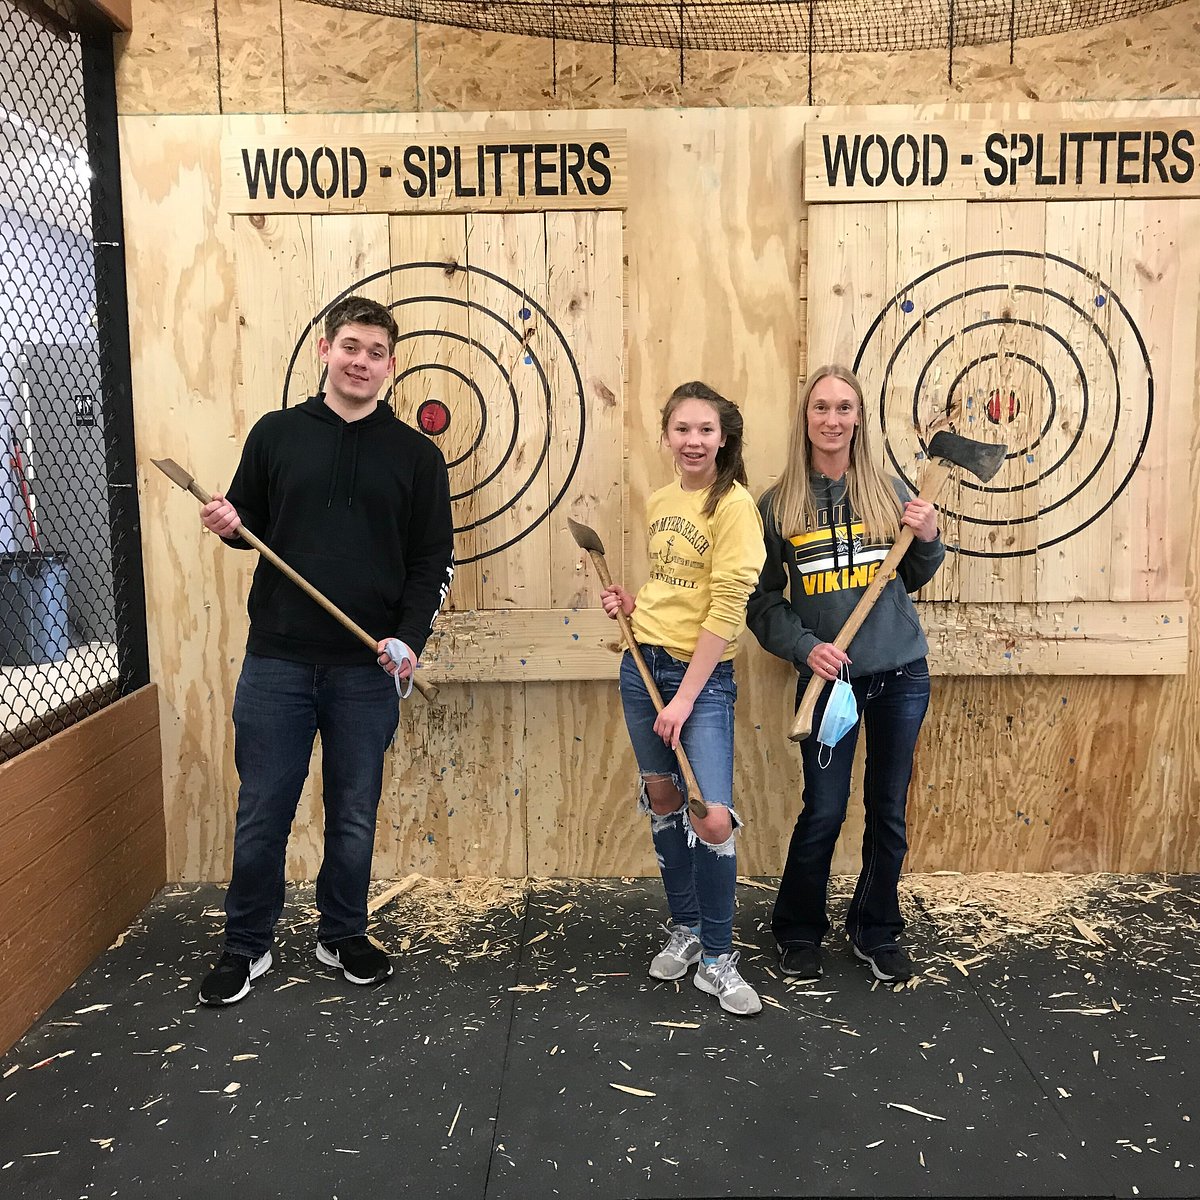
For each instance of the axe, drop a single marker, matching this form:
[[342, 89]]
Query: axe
[[946, 451], [176, 474], [587, 539]]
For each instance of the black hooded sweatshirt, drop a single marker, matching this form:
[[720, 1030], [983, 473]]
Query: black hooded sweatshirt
[[361, 509]]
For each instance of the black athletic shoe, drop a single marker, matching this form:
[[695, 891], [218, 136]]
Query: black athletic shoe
[[890, 964], [360, 959], [801, 962], [229, 981]]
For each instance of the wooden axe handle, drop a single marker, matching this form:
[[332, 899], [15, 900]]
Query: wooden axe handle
[[695, 799], [931, 488], [426, 690]]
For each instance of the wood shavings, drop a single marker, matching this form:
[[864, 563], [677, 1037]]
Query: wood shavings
[[446, 910], [91, 1008], [632, 1091], [103, 1143], [1087, 931], [46, 1061], [754, 883], [230, 1088], [678, 1024], [457, 1113], [991, 907], [915, 1111]]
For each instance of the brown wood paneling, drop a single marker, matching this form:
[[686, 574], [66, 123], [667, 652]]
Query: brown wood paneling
[[47, 956], [116, 13], [82, 850]]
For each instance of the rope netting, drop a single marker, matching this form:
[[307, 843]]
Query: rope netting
[[817, 26]]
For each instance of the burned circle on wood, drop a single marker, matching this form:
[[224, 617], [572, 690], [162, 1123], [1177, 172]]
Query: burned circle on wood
[[1029, 349], [491, 379]]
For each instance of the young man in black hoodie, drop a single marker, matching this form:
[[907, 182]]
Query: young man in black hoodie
[[359, 504]]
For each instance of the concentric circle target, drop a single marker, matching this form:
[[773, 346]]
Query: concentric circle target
[[1046, 359], [494, 421]]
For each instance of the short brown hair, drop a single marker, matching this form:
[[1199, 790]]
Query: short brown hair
[[358, 310]]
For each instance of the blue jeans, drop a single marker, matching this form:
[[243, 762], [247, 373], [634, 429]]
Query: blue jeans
[[893, 705], [699, 878], [277, 711]]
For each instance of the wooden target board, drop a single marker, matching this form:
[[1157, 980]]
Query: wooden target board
[[1066, 330], [509, 359]]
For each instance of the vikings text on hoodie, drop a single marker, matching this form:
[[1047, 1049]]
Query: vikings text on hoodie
[[827, 570], [360, 509]]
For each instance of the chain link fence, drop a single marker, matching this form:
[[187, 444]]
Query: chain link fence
[[72, 610]]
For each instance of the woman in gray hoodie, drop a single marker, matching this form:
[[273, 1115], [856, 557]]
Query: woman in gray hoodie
[[829, 522]]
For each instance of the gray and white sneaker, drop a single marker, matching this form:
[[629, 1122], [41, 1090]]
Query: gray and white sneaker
[[723, 980], [682, 949]]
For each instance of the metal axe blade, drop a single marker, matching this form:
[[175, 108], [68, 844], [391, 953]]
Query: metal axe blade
[[585, 537], [982, 459]]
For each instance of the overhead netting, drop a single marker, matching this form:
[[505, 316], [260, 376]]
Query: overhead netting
[[818, 26]]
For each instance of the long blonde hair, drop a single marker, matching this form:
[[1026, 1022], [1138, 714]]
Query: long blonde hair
[[871, 495]]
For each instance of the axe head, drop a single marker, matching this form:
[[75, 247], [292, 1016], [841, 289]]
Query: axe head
[[173, 471], [585, 538], [982, 459]]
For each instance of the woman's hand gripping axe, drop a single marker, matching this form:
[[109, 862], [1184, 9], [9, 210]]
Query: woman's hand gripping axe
[[587, 539], [946, 451], [174, 472]]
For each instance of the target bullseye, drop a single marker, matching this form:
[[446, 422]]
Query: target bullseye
[[1047, 358], [477, 379]]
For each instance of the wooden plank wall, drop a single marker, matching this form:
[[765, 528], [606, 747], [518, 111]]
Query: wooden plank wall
[[82, 851], [1030, 773]]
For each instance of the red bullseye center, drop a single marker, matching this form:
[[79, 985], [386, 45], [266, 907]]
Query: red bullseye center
[[433, 417]]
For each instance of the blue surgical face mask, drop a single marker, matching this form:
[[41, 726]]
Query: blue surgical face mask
[[841, 715]]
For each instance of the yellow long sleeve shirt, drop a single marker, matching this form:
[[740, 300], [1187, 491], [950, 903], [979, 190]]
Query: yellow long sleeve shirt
[[702, 569]]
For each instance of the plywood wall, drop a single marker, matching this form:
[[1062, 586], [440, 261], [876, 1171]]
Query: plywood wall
[[1052, 772]]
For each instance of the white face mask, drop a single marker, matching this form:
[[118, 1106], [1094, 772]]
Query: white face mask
[[840, 716]]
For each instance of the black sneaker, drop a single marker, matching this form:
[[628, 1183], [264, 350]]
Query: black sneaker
[[801, 962], [889, 964], [229, 981], [360, 959]]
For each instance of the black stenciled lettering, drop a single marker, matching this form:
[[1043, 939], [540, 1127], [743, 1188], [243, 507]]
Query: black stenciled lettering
[[572, 158], [348, 153], [934, 176], [497, 153], [601, 178], [1079, 140], [841, 160], [1127, 155], [441, 163], [417, 182], [1104, 137], [1182, 144], [1039, 175], [260, 175], [906, 142], [870, 143], [544, 168], [994, 148], [321, 155], [521, 149], [293, 154], [460, 188], [1153, 152]]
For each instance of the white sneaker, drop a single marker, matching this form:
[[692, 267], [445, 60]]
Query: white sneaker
[[722, 980], [682, 949]]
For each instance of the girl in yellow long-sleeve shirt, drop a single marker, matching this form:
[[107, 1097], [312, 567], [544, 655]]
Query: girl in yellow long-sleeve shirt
[[706, 549]]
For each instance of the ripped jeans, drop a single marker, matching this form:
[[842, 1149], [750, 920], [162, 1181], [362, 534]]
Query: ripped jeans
[[699, 879]]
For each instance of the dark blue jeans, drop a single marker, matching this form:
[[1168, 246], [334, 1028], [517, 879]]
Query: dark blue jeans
[[698, 878], [892, 705], [277, 711]]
